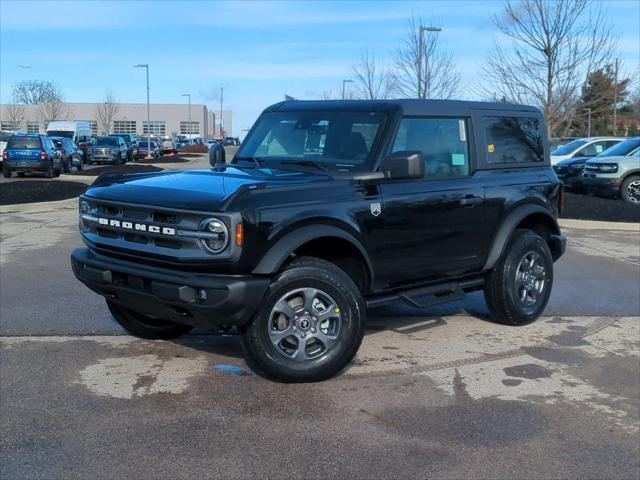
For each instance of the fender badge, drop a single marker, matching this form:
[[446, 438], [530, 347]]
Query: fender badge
[[376, 209]]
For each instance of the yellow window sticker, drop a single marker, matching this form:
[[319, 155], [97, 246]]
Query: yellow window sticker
[[491, 148]]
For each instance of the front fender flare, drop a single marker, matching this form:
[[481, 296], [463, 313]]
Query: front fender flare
[[509, 225], [280, 251]]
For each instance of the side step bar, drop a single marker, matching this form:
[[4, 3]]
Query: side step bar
[[433, 295]]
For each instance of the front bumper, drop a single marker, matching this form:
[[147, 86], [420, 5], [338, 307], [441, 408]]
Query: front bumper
[[103, 158], [197, 299], [609, 186]]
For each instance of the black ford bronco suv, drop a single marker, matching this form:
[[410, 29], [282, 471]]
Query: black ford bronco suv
[[327, 209]]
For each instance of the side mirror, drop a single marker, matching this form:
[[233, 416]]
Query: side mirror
[[404, 165], [217, 154]]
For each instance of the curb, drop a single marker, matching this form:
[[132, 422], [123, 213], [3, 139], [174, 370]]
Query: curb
[[597, 225], [40, 206]]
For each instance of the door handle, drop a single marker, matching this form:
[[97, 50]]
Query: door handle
[[471, 201]]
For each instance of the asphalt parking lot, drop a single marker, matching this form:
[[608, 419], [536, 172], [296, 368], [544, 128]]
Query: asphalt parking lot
[[437, 393]]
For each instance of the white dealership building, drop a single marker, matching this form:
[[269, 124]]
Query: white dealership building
[[164, 118]]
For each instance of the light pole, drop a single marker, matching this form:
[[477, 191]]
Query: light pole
[[189, 129], [344, 82], [146, 66], [420, 49], [221, 96], [588, 110]]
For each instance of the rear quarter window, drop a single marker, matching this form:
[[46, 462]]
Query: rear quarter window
[[513, 140], [23, 142]]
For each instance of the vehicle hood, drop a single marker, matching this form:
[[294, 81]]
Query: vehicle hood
[[630, 160], [206, 190], [557, 158], [567, 162]]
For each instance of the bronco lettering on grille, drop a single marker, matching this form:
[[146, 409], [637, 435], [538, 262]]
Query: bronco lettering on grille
[[140, 227]]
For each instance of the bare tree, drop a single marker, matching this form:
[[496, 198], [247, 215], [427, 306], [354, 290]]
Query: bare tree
[[33, 92], [14, 113], [106, 111], [424, 69], [372, 79], [550, 48], [53, 106]]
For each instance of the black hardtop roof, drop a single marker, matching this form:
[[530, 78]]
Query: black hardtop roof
[[406, 106]]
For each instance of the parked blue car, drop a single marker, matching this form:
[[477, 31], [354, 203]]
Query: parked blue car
[[27, 153]]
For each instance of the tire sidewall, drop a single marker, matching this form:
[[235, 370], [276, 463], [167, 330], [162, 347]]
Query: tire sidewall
[[624, 191], [341, 289], [523, 244]]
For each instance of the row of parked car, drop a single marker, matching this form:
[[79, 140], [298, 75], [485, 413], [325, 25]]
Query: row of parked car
[[607, 166]]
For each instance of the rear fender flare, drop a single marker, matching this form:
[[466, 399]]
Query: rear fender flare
[[509, 225]]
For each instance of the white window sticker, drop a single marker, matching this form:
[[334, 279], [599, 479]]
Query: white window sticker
[[599, 148], [457, 159], [463, 131]]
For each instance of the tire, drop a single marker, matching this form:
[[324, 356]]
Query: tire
[[6, 173], [630, 190], [49, 173], [67, 166], [146, 327], [20, 174], [517, 290], [80, 166], [310, 288]]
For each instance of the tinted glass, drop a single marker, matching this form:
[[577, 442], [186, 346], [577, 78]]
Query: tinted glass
[[337, 139], [626, 147], [24, 142], [513, 140], [108, 141], [593, 149], [59, 133], [569, 147], [442, 141]]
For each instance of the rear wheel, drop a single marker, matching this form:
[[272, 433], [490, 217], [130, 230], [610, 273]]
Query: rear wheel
[[145, 326], [309, 325], [49, 173], [6, 173], [518, 288], [20, 174], [630, 190]]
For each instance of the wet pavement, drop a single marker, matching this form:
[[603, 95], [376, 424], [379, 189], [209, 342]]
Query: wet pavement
[[433, 393]]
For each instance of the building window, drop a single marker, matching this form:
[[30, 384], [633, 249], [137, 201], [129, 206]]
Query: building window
[[94, 127], [153, 127], [33, 127], [10, 126], [124, 126], [187, 128]]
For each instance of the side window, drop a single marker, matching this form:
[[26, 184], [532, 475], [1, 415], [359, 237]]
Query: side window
[[442, 141], [591, 150], [513, 140]]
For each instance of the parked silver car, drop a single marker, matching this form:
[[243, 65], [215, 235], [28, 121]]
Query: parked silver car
[[167, 145], [109, 149]]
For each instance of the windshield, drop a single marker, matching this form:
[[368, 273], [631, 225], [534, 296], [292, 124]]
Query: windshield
[[144, 145], [622, 149], [23, 142], [109, 141], [126, 138], [569, 147], [337, 139], [60, 133]]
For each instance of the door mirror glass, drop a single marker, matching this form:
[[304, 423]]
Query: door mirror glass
[[404, 165]]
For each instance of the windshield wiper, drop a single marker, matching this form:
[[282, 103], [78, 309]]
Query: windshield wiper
[[309, 163], [257, 160]]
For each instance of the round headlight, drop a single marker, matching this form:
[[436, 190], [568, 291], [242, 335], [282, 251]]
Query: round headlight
[[85, 209], [217, 237]]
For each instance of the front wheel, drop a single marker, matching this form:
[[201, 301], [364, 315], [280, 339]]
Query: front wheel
[[630, 190], [309, 325], [518, 288], [145, 326]]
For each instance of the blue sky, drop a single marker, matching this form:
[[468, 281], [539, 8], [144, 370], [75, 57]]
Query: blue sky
[[257, 51]]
